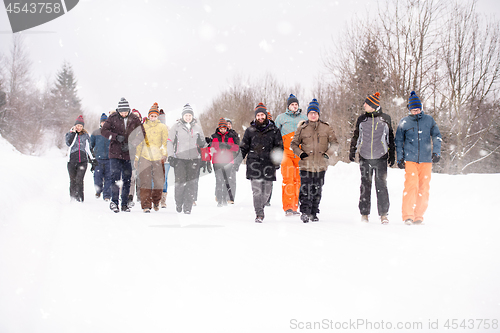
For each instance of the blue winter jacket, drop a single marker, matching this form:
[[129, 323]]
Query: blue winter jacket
[[99, 145], [413, 138]]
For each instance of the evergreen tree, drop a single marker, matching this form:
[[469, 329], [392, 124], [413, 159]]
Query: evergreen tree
[[65, 103]]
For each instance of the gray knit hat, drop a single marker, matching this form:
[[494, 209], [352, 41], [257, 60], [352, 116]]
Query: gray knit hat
[[187, 109], [123, 106]]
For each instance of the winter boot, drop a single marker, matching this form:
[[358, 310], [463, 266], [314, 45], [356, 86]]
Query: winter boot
[[304, 218], [259, 219], [156, 206], [289, 212], [408, 221], [418, 222], [163, 200], [126, 209], [314, 218], [114, 207], [364, 218], [384, 219], [146, 210]]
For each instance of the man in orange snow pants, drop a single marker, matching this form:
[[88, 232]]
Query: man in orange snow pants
[[416, 153], [287, 123]]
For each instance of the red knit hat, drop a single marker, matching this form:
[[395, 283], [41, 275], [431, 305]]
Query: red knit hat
[[80, 121]]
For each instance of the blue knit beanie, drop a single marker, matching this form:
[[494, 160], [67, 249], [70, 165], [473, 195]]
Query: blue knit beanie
[[313, 106], [104, 117], [414, 101], [292, 99]]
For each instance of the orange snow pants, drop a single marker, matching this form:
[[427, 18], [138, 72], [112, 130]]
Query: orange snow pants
[[416, 191], [291, 176]]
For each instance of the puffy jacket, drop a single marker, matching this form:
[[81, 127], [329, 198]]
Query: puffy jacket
[[413, 138], [115, 126], [373, 136], [223, 155], [263, 147], [314, 138], [155, 147], [79, 146], [99, 145], [184, 140]]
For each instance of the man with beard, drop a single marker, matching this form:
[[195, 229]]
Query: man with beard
[[263, 146], [118, 129]]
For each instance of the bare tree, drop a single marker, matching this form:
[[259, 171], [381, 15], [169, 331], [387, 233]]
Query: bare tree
[[471, 61]]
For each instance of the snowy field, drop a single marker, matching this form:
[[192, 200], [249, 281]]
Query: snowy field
[[78, 267]]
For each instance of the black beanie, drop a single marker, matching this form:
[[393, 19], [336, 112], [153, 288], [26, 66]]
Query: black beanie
[[292, 99]]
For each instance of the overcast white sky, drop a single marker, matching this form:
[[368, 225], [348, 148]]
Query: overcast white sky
[[174, 52]]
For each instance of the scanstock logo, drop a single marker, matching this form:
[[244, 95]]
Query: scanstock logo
[[28, 14]]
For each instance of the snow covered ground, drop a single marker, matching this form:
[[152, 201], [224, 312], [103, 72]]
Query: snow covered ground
[[73, 267]]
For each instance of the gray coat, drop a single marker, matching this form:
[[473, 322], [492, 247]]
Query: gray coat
[[184, 140]]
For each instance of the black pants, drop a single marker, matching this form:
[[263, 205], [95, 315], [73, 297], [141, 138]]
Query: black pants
[[311, 186], [76, 171], [367, 168], [186, 173], [120, 170]]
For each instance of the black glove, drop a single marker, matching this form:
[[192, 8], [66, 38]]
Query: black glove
[[352, 156], [209, 167], [124, 147], [224, 145], [391, 160], [94, 165], [303, 155], [203, 166], [326, 156], [172, 161], [435, 158], [401, 163], [200, 142], [120, 138], [208, 140]]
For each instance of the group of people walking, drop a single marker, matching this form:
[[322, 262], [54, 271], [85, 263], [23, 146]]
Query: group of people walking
[[300, 144]]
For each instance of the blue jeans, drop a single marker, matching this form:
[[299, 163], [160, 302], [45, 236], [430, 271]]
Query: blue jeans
[[102, 175], [120, 170], [167, 169]]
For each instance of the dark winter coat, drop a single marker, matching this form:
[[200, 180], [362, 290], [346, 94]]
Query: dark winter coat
[[413, 138], [224, 154], [79, 146], [115, 126], [373, 136], [99, 145], [263, 147], [315, 138]]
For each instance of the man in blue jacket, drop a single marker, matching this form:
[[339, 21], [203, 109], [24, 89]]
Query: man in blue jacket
[[416, 153], [102, 172]]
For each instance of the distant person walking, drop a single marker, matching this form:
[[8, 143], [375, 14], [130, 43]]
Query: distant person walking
[[184, 139], [79, 155], [118, 127], [287, 124], [314, 142], [262, 145], [373, 139], [416, 153], [102, 172]]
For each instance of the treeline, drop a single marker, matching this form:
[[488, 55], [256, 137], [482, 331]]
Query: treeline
[[444, 50], [34, 118]]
